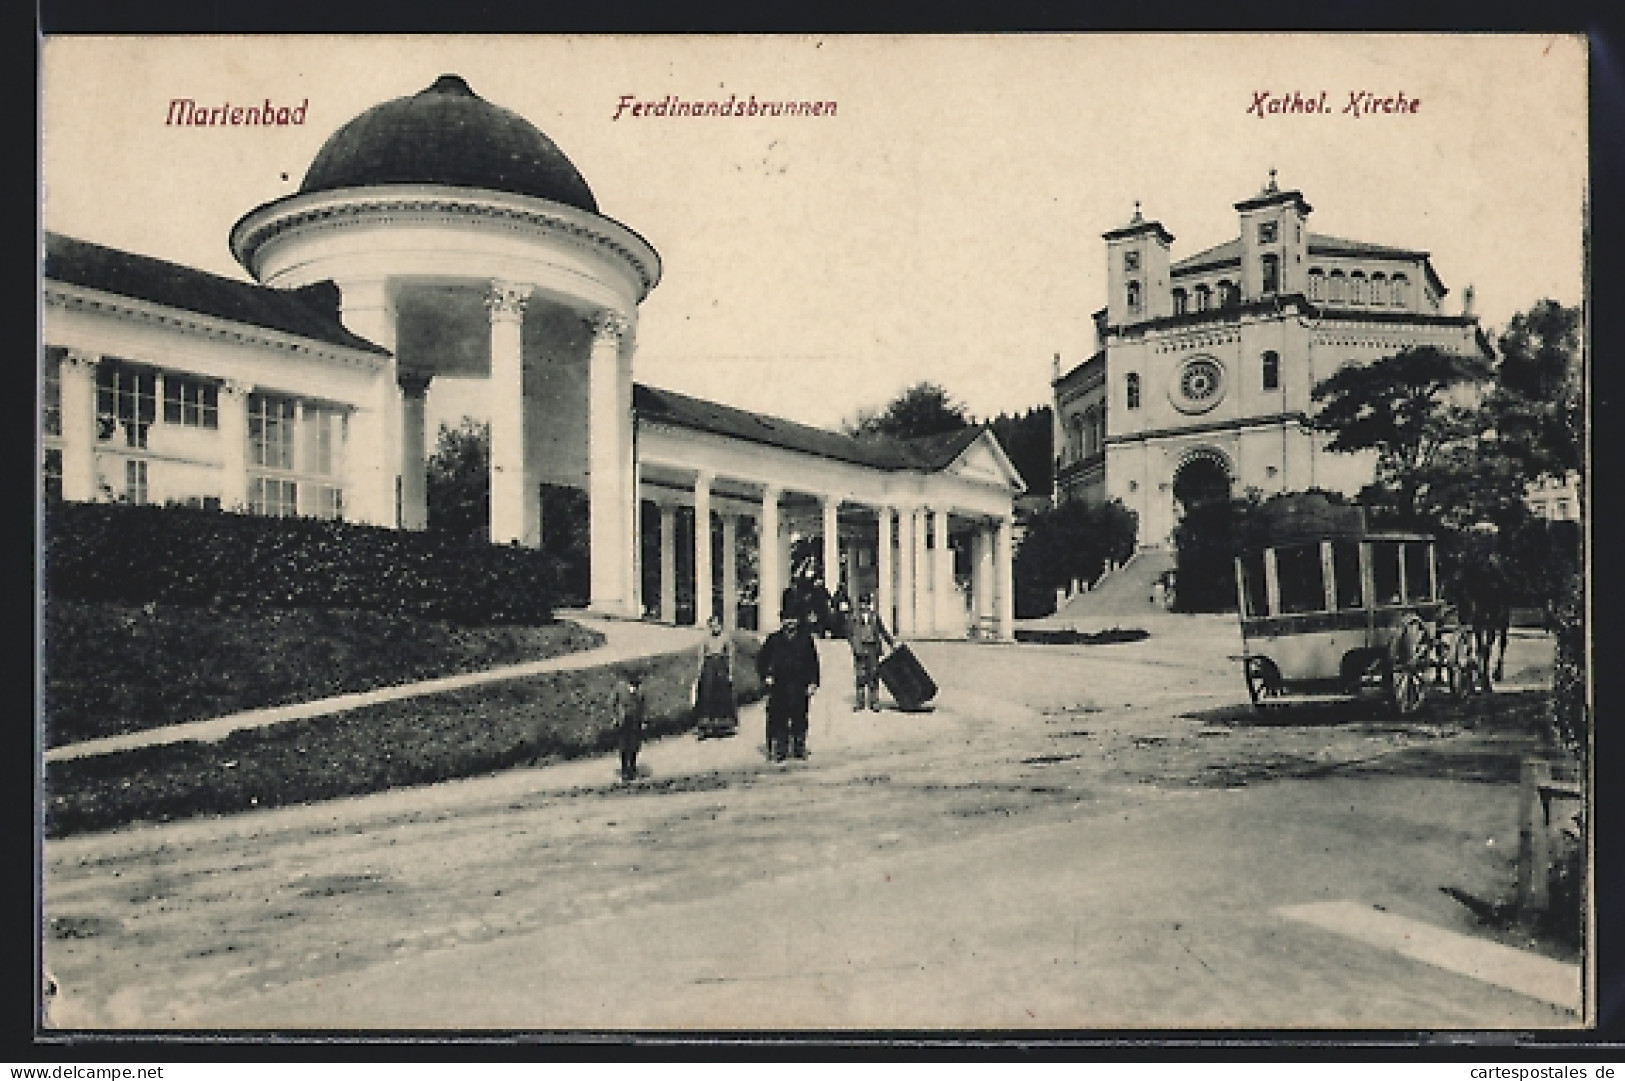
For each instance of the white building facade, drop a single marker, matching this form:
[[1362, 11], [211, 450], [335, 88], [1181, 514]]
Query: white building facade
[[438, 236], [1203, 372]]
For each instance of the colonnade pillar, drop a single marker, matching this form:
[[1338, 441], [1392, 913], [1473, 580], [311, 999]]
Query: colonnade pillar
[[374, 461], [884, 593], [506, 303], [944, 596], [982, 575], [1004, 566], [703, 579], [730, 571], [78, 375], [232, 403], [907, 521], [611, 508], [770, 584], [668, 564], [920, 579], [832, 542], [414, 450]]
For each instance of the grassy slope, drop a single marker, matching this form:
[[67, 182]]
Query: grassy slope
[[112, 668]]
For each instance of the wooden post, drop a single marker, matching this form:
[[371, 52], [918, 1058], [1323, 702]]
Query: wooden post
[[1534, 843]]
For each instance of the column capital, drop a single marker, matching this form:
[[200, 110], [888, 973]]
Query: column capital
[[506, 301], [704, 477], [610, 324], [771, 492], [414, 384], [81, 358]]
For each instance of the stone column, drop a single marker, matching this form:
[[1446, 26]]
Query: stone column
[[608, 465], [924, 624], [506, 303], [730, 571], [907, 523], [79, 426], [884, 593], [704, 579], [369, 496], [1004, 563], [233, 406], [946, 619], [770, 585], [414, 450], [832, 541], [668, 564], [982, 590]]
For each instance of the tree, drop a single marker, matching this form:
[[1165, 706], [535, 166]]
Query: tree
[[1402, 407], [1070, 542], [459, 480], [1029, 440], [1537, 408], [923, 409]]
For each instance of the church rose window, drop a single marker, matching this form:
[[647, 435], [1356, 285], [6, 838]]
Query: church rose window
[[1199, 385]]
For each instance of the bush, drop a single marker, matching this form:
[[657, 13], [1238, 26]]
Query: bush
[[1072, 541], [187, 556], [417, 741]]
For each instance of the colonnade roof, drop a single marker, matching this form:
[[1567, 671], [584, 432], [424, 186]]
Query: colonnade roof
[[926, 454], [311, 312]]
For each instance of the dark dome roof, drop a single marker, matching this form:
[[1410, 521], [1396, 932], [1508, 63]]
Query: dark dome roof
[[448, 135]]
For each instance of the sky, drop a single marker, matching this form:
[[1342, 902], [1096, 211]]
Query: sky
[[944, 224]]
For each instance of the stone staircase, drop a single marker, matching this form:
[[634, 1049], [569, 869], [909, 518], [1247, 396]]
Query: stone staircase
[[1126, 591]]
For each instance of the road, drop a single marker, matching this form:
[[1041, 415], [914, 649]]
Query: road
[[1079, 837]]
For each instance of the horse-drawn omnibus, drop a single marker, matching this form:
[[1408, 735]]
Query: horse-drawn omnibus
[[1328, 607]]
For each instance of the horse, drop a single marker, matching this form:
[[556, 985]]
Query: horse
[[1486, 607]]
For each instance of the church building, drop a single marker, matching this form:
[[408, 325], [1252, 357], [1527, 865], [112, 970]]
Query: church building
[[440, 236], [1200, 383]]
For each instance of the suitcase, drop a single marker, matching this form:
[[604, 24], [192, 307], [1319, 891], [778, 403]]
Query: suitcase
[[906, 678]]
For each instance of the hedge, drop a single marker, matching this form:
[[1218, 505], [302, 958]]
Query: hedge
[[417, 741], [188, 556]]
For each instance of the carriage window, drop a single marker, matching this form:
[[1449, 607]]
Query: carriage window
[[1346, 569], [1254, 596], [1385, 572], [1298, 575], [1418, 580]]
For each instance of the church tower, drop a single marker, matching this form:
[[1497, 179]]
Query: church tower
[[1274, 241], [1137, 272]]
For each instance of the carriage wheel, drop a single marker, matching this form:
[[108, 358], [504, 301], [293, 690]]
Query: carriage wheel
[[1405, 667], [1256, 671], [1464, 667]]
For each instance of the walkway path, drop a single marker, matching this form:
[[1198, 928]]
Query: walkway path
[[622, 641]]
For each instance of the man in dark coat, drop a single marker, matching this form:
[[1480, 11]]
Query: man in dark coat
[[867, 635], [788, 665]]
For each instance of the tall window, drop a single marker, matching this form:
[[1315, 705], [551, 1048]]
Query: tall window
[[1229, 295], [1357, 294], [273, 496], [51, 394], [1338, 291], [135, 480], [1272, 370], [1181, 301], [1204, 298], [1402, 291], [1270, 265], [1133, 385], [324, 440], [1133, 296], [194, 403], [1380, 293], [1317, 285], [126, 402], [270, 431]]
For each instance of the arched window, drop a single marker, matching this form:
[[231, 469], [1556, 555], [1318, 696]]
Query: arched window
[[1204, 298], [1379, 289], [1317, 285], [1338, 291], [1402, 291], [1133, 296], [1270, 265], [1272, 370], [1181, 300], [1133, 385], [1357, 293], [1076, 444]]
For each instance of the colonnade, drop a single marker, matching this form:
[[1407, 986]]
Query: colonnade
[[904, 555]]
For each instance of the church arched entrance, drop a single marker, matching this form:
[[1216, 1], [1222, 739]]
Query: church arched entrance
[[1203, 477]]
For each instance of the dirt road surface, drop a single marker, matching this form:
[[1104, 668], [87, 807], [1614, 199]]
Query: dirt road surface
[[1078, 837]]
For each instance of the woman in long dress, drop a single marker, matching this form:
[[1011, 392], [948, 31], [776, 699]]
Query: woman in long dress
[[716, 714]]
